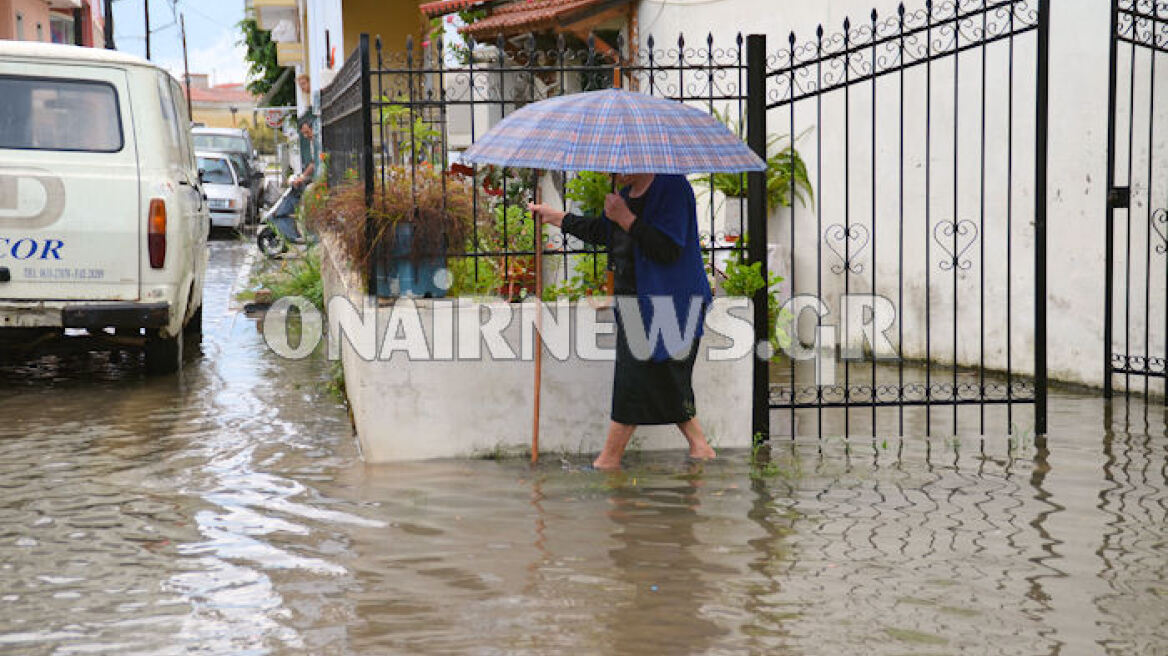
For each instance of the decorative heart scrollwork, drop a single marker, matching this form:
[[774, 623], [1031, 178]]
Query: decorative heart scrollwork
[[847, 242], [955, 238], [1159, 220]]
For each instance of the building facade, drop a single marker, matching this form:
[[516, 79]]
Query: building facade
[[75, 22]]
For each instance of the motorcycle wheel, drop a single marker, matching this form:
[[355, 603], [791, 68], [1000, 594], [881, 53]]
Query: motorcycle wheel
[[269, 242]]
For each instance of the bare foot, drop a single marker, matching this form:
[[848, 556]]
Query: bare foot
[[606, 464], [704, 452]]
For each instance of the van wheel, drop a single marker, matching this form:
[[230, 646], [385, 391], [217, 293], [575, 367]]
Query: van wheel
[[163, 354], [194, 327]]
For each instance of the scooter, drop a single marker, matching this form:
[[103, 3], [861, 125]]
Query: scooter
[[279, 223]]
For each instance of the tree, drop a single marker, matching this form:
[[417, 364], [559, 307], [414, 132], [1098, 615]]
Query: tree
[[262, 66]]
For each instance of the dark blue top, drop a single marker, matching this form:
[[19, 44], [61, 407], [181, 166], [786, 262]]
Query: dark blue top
[[671, 208], [676, 277]]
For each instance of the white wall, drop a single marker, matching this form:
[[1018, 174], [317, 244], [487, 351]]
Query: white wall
[[323, 15], [1079, 70], [420, 409]]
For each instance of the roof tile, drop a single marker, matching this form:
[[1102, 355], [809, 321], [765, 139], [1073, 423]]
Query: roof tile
[[526, 15]]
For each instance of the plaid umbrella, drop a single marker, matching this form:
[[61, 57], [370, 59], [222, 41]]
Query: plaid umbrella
[[614, 131]]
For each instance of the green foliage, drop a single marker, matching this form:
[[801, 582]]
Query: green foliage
[[589, 189], [458, 48], [263, 69], [465, 281], [336, 382], [589, 278], [761, 465], [297, 277], [744, 279], [263, 138], [784, 167], [510, 229], [416, 138]]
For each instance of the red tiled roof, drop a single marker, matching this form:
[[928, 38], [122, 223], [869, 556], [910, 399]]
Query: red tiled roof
[[528, 16], [442, 7], [224, 93]]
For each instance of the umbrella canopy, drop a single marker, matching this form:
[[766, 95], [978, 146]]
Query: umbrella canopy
[[614, 131]]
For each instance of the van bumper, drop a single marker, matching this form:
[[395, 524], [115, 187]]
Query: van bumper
[[113, 314]]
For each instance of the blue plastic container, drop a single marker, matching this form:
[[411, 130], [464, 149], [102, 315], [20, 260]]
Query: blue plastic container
[[398, 274]]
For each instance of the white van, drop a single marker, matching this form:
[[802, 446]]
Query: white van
[[103, 222]]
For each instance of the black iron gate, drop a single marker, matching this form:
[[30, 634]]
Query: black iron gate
[[920, 260], [1136, 324], [916, 207]]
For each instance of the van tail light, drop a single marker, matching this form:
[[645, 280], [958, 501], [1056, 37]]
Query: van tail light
[[156, 233]]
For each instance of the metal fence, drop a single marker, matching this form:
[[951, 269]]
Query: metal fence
[[1136, 310], [423, 108], [925, 133], [937, 94]]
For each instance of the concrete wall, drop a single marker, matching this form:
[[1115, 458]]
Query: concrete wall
[[413, 410], [1079, 69]]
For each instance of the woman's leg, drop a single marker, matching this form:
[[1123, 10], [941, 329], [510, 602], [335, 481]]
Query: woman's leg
[[699, 448], [614, 447]]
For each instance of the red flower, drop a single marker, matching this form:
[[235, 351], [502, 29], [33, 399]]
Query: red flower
[[450, 18]]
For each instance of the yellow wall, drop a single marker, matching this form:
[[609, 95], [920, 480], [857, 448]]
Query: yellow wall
[[393, 20], [218, 118]]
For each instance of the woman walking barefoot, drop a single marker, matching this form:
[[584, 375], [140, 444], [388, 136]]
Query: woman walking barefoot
[[651, 231]]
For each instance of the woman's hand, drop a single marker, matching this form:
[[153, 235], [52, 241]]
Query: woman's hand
[[552, 216], [618, 211]]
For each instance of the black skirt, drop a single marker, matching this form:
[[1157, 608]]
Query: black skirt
[[645, 392]]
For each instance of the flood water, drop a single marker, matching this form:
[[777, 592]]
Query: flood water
[[227, 511]]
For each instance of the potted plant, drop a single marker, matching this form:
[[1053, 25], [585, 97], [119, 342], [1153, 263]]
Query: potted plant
[[785, 173], [416, 216], [511, 230]]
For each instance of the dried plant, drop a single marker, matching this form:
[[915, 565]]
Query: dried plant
[[439, 207]]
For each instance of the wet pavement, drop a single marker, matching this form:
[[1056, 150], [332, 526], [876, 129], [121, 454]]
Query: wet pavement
[[227, 510]]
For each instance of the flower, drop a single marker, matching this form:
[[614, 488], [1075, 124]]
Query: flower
[[450, 18]]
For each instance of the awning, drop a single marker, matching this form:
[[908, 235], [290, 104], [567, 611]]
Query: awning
[[541, 15], [443, 7]]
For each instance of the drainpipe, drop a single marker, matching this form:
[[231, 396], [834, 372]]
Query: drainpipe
[[109, 24], [78, 23]]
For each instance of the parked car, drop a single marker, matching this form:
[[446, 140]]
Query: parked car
[[237, 143], [227, 198], [102, 220]]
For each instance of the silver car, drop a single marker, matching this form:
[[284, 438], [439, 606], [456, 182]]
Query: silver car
[[227, 197]]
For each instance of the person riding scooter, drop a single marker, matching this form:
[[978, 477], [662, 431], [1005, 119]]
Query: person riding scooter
[[280, 227]]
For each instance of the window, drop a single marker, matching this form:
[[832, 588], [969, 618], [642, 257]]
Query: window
[[40, 32], [61, 28], [59, 114], [184, 120], [19, 26], [216, 171], [221, 143], [170, 119]]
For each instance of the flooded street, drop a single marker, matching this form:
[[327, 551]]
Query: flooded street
[[227, 510]]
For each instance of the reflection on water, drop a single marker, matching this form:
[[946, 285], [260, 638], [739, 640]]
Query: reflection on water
[[227, 510]]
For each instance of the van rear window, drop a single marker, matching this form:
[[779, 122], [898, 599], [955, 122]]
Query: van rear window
[[57, 114]]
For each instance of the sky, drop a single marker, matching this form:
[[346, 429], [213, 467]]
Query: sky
[[211, 35]]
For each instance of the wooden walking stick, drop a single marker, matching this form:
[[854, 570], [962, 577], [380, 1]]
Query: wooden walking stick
[[538, 324]]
